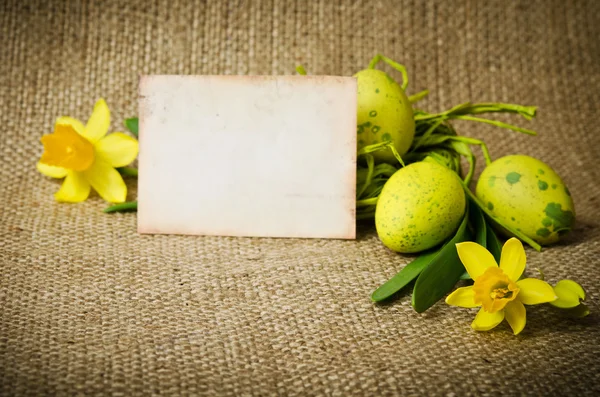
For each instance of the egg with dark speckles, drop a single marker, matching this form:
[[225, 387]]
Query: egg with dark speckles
[[420, 206], [383, 113], [526, 194]]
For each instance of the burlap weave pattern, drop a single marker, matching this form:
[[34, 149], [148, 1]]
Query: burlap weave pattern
[[87, 306]]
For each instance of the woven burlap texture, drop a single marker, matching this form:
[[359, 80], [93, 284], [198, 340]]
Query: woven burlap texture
[[88, 306]]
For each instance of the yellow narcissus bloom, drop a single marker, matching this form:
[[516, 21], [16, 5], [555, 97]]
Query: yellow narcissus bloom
[[86, 157], [497, 289]]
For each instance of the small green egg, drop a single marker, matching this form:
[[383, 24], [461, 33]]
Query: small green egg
[[528, 195], [384, 112], [420, 206]]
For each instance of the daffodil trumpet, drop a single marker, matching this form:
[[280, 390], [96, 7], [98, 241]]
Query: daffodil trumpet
[[498, 290], [86, 157]]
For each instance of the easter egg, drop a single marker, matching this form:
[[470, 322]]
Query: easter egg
[[527, 195], [420, 206], [384, 113]]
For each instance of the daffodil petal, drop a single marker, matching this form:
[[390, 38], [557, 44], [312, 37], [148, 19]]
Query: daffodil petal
[[462, 297], [106, 181], [512, 261], [76, 124], [566, 299], [99, 122], [475, 258], [573, 286], [570, 294], [51, 171], [484, 321], [534, 291], [74, 189], [117, 149], [515, 315]]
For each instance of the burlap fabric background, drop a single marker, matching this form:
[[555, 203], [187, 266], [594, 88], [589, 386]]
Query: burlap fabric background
[[90, 307]]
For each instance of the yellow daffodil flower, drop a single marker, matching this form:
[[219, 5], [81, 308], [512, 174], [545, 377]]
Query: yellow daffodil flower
[[86, 157], [497, 289]]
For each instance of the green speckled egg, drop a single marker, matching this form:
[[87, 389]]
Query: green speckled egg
[[384, 113], [529, 196], [420, 206]]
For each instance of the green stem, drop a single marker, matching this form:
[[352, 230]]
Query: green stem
[[396, 154], [365, 215], [542, 276], [447, 113], [394, 65], [127, 206], [370, 165], [367, 202], [418, 96], [497, 124], [423, 138], [527, 112], [128, 171], [380, 146], [464, 150], [472, 141], [374, 61]]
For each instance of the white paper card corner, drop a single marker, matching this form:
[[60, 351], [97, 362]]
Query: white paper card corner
[[264, 156]]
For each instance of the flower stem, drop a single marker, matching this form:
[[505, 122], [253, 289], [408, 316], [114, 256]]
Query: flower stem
[[418, 96], [123, 207], [394, 65], [128, 171]]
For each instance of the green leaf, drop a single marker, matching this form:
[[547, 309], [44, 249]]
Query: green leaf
[[132, 125], [404, 277], [123, 207], [494, 245], [128, 171], [437, 279], [465, 276], [477, 221], [418, 96]]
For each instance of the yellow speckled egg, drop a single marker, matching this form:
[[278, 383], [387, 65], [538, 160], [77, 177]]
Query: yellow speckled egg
[[529, 196], [420, 206], [384, 113]]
